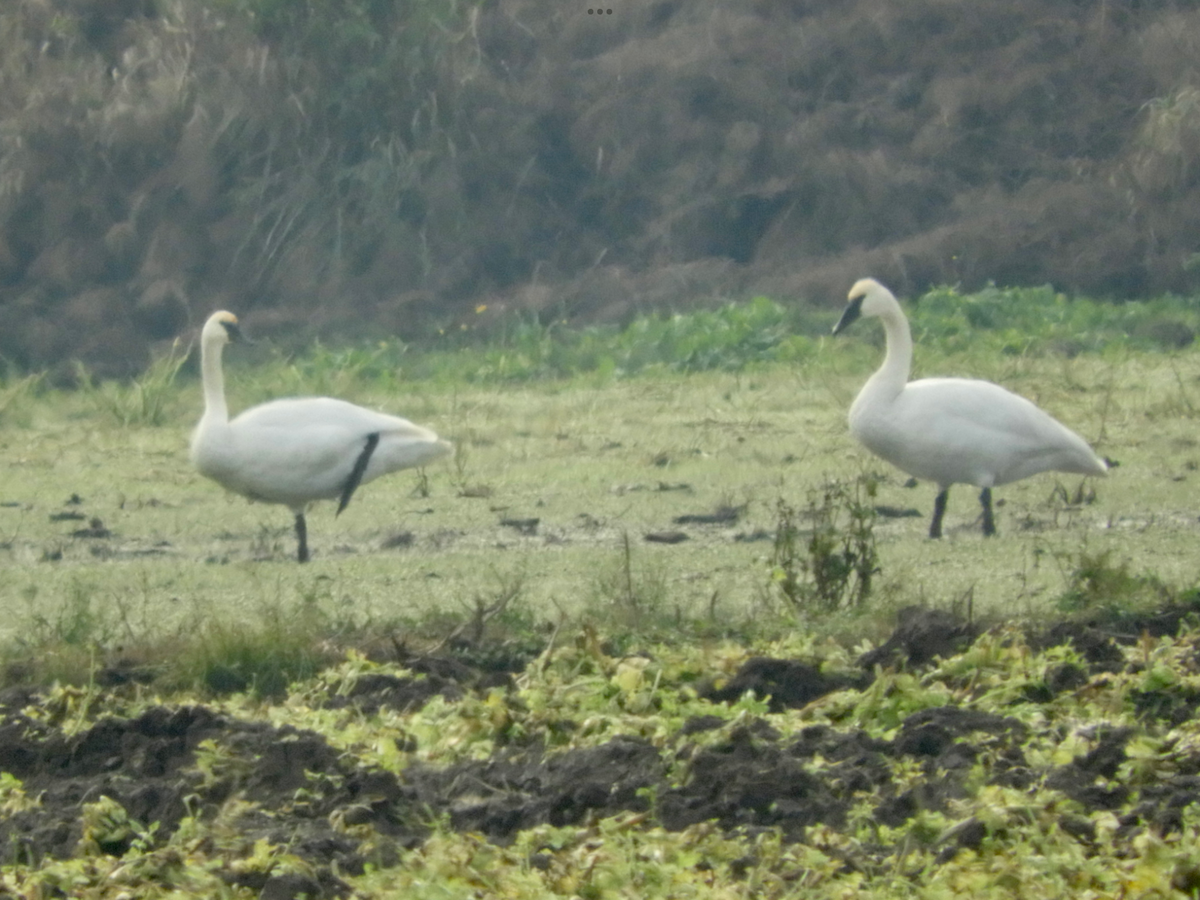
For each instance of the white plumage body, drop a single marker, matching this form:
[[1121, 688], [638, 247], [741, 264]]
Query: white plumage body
[[962, 431], [296, 451], [952, 430]]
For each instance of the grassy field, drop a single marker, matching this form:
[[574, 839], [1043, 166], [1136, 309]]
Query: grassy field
[[599, 460], [571, 449]]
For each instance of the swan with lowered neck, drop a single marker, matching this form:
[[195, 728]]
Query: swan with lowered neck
[[952, 430], [296, 451]]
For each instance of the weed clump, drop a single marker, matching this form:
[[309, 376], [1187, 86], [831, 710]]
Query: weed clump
[[143, 401], [1097, 585], [830, 565], [634, 597]]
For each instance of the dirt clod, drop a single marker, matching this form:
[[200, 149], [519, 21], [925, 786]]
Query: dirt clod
[[291, 787]]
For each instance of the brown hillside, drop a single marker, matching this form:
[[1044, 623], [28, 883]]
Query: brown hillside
[[392, 165]]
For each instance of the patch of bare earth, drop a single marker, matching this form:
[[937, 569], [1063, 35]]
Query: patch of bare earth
[[753, 778]]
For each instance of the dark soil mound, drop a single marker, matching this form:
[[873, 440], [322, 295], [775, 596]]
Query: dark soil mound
[[158, 769], [292, 788], [372, 168], [785, 683], [922, 635]]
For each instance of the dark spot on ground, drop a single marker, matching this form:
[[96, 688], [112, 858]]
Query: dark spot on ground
[[665, 537], [372, 693], [722, 515], [520, 788], [95, 529], [897, 512], [399, 540], [1099, 637], [524, 526]]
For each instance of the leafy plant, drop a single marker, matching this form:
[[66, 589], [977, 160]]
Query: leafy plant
[[831, 564], [1021, 321], [523, 347], [340, 371], [108, 829]]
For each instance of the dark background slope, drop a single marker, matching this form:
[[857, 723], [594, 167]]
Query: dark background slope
[[386, 167]]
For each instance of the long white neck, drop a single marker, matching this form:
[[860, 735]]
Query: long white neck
[[889, 380], [215, 409]]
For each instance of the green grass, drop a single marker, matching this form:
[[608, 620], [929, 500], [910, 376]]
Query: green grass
[[603, 435], [742, 336]]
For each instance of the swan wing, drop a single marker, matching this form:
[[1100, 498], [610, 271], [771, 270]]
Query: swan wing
[[298, 450], [299, 412], [953, 430]]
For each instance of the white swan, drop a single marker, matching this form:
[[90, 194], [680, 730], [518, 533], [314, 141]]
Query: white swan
[[952, 430], [298, 450]]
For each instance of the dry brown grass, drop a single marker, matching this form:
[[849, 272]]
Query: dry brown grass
[[365, 166]]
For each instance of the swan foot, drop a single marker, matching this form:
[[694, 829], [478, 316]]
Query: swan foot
[[302, 538], [939, 510], [989, 520]]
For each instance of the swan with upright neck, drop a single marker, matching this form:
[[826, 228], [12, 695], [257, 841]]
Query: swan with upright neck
[[952, 430], [300, 450]]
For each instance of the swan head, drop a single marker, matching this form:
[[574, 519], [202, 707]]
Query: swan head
[[220, 329], [867, 298]]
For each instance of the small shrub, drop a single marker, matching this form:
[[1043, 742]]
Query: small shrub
[[831, 565], [109, 829]]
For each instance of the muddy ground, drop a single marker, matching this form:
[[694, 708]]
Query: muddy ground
[[753, 779]]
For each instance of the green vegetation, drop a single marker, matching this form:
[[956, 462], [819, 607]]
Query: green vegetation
[[1038, 320], [129, 581], [992, 840], [144, 399], [838, 559], [603, 434], [1013, 322]]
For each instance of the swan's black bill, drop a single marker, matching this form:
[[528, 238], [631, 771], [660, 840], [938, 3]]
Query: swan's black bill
[[850, 316], [236, 335]]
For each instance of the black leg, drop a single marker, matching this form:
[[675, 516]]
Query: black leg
[[989, 520], [939, 510], [356, 474], [302, 537]]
